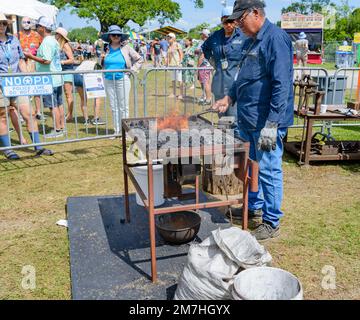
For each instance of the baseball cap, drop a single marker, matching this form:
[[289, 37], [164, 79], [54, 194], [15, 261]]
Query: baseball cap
[[171, 35], [241, 6], [226, 12], [46, 22], [206, 32]]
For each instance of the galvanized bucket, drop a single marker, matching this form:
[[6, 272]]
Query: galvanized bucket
[[266, 283]]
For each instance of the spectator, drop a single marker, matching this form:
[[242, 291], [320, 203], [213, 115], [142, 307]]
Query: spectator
[[67, 64], [48, 60], [79, 84], [164, 51], [99, 47], [12, 60], [118, 85], [143, 51], [30, 40], [223, 50], [188, 76], [302, 50], [156, 52], [175, 57], [204, 75]]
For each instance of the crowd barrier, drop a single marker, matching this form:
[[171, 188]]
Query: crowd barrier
[[92, 116]]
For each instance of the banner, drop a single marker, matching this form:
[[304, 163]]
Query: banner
[[357, 38], [94, 85], [27, 86], [292, 20]]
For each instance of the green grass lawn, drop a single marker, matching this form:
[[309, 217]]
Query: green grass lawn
[[320, 226]]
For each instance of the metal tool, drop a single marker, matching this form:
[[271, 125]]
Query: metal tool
[[196, 115]]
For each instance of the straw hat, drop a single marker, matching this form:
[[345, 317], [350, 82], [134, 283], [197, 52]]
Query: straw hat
[[3, 18], [63, 33]]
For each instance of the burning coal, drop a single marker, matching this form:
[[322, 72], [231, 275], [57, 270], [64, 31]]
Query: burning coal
[[173, 121]]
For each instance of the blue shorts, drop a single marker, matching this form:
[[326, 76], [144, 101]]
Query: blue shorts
[[54, 100], [78, 80]]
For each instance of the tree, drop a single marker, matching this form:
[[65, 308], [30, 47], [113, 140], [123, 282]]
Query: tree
[[84, 34], [120, 12], [195, 32], [307, 6]]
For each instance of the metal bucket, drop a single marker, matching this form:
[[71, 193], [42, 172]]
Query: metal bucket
[[266, 283], [178, 227]]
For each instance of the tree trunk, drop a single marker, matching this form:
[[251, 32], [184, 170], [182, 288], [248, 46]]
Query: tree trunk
[[220, 185]]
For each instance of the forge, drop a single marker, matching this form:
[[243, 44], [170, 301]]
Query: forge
[[182, 145]]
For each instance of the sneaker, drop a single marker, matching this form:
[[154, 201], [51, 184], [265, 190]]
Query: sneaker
[[11, 130], [11, 155], [98, 122], [86, 122], [44, 152], [265, 232], [54, 134], [40, 117]]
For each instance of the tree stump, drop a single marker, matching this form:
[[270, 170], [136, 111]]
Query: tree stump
[[214, 184]]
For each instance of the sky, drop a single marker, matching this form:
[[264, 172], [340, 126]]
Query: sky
[[191, 17]]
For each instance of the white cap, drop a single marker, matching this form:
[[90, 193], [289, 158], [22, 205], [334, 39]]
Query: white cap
[[226, 12], [46, 22], [171, 35], [206, 32]]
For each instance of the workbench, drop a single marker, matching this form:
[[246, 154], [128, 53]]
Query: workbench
[[308, 151]]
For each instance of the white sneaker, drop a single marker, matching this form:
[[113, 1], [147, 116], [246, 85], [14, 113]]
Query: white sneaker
[[54, 134]]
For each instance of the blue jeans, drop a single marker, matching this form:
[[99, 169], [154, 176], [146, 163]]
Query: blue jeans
[[270, 195]]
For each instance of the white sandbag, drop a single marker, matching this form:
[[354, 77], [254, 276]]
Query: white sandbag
[[213, 264], [241, 247]]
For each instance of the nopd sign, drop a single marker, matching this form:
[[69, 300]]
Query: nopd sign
[[27, 86]]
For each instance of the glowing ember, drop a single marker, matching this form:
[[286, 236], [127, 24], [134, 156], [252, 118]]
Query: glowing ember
[[173, 121]]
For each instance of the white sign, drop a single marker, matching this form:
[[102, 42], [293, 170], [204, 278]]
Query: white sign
[[27, 86], [94, 85]]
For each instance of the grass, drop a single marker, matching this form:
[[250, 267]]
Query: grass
[[320, 227]]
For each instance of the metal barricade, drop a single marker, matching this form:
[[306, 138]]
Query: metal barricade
[[104, 100], [174, 90]]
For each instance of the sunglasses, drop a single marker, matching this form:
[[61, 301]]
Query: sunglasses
[[115, 35], [26, 22], [3, 23], [228, 22]]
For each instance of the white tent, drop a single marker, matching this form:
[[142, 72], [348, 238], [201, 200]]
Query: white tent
[[29, 8]]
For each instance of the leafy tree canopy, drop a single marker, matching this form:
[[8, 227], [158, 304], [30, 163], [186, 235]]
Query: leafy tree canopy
[[84, 34], [120, 12]]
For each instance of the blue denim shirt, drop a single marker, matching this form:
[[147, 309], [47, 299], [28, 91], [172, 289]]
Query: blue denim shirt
[[218, 47], [10, 55], [264, 87]]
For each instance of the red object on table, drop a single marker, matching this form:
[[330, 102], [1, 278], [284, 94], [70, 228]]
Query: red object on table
[[313, 58]]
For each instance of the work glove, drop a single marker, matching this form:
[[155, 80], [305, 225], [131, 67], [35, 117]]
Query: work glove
[[268, 135]]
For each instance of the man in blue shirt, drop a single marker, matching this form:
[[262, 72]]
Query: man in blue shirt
[[164, 50], [223, 50], [264, 95]]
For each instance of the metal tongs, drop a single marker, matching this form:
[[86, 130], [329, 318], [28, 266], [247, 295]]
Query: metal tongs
[[196, 115]]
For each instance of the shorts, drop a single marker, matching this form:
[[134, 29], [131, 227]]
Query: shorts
[[55, 99], [204, 76], [177, 75], [68, 77], [78, 80]]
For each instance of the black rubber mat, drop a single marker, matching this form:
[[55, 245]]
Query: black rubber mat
[[110, 259]]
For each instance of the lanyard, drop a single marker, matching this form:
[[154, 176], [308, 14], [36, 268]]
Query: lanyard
[[243, 59]]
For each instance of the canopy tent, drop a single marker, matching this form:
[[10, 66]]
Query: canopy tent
[[166, 30], [29, 8], [136, 36]]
